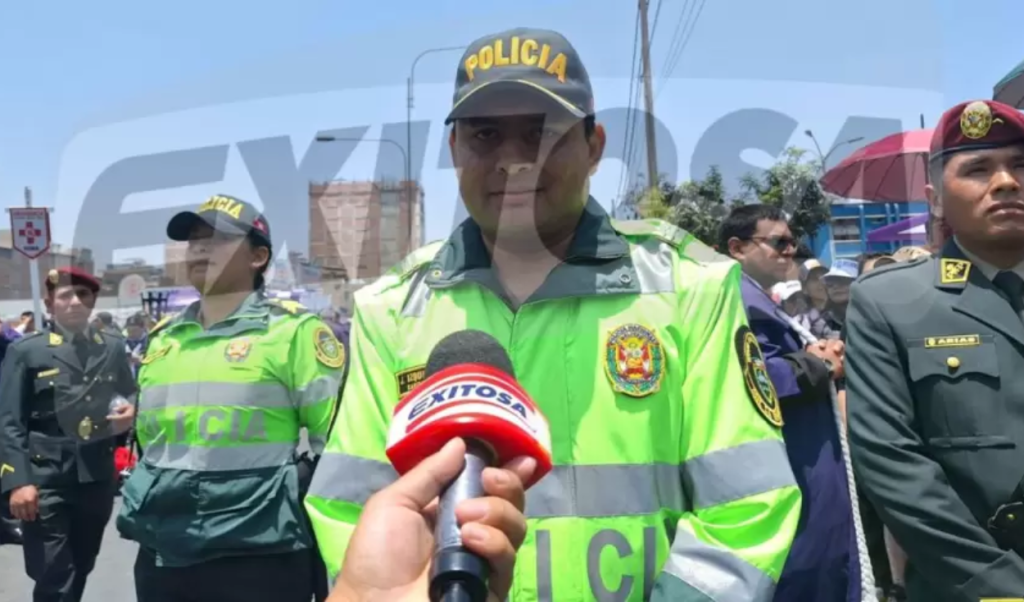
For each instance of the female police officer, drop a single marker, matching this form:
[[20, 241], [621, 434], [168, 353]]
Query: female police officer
[[225, 388]]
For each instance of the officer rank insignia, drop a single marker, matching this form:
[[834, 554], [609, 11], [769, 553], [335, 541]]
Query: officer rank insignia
[[634, 360], [954, 271], [238, 350], [329, 350], [56, 340], [976, 120], [755, 375], [409, 378]]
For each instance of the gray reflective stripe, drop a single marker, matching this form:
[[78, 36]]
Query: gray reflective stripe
[[350, 478], [596, 490], [419, 294], [715, 572], [318, 390], [738, 472], [181, 456], [263, 395], [699, 251], [652, 261]]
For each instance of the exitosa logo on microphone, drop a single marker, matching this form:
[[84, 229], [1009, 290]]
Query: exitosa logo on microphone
[[463, 393]]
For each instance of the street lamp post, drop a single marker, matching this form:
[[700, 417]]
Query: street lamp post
[[408, 115], [837, 145], [405, 158]]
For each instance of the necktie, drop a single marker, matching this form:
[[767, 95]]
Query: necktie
[[1013, 285], [82, 349]]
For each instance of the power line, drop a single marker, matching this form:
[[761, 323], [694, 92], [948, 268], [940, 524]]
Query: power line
[[654, 23], [627, 140], [677, 33], [685, 41]]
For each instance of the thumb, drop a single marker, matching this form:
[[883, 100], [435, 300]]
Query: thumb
[[418, 487]]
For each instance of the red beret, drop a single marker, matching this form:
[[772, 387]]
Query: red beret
[[70, 277], [977, 125]]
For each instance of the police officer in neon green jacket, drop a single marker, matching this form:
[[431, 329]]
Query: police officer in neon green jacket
[[225, 388], [671, 479]]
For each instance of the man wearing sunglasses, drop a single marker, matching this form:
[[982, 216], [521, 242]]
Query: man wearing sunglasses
[[823, 563]]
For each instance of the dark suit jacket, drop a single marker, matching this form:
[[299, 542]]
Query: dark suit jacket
[[935, 398], [823, 562]]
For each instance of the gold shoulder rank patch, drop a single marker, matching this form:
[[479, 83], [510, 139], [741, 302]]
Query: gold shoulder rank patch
[[954, 271], [755, 375], [329, 350], [56, 339], [6, 468], [161, 324], [152, 356], [290, 306], [409, 378], [956, 340]]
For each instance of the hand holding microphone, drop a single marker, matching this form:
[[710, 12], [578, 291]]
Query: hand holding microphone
[[389, 556], [469, 392]]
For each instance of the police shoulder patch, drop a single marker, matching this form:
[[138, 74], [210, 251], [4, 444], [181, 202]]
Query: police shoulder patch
[[328, 349], [755, 376]]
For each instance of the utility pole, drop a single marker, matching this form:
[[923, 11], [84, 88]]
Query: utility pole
[[652, 158]]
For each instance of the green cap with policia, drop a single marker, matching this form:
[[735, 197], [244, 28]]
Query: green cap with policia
[[225, 214], [534, 60]]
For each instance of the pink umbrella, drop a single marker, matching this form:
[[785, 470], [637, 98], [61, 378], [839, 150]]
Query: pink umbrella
[[891, 170]]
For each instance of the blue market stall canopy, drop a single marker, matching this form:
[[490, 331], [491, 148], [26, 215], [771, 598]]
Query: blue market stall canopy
[[911, 229]]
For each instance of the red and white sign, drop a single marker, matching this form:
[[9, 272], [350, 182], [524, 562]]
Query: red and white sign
[[30, 230]]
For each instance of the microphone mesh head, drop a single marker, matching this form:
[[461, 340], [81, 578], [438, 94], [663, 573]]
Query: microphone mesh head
[[469, 347]]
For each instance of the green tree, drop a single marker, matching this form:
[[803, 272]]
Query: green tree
[[697, 206], [792, 185]]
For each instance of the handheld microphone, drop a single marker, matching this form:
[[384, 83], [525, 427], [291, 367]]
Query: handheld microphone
[[470, 392]]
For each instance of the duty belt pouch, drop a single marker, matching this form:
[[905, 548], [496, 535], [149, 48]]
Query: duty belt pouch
[[1007, 523]]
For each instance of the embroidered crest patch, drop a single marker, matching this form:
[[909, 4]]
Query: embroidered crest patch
[[755, 376], [329, 350], [634, 360], [237, 350]]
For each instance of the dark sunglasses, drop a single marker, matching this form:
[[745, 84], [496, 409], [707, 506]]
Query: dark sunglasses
[[778, 243]]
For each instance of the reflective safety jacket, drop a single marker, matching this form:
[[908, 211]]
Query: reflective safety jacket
[[671, 480], [219, 416]]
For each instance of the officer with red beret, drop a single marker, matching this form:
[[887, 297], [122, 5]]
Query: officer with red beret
[[64, 394], [935, 371]]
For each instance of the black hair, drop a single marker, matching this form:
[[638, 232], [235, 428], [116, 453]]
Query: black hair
[[803, 253], [28, 314], [742, 222], [256, 241], [864, 258]]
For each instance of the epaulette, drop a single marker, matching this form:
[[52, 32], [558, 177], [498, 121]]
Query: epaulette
[[287, 305], [27, 337], [164, 321], [893, 267], [657, 228], [415, 260]]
